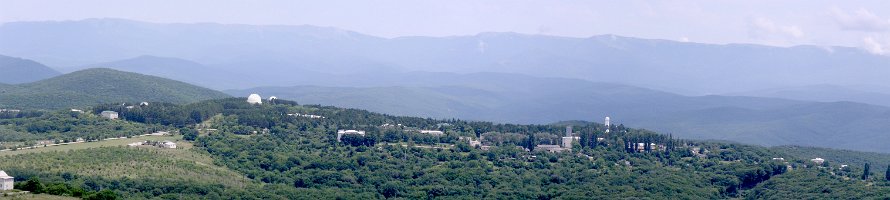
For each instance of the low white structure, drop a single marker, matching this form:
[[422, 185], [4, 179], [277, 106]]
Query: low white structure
[[135, 144], [818, 161], [168, 144], [549, 148], [432, 132], [6, 181], [307, 116], [340, 133], [143, 104], [109, 114], [254, 99]]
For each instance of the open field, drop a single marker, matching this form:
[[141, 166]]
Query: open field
[[119, 161], [103, 143]]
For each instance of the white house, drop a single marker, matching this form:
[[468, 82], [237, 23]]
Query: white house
[[6, 181], [109, 114]]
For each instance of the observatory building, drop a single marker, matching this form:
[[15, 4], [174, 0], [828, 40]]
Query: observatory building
[[608, 124], [254, 99]]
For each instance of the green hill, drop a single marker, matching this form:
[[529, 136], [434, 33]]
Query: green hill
[[97, 86], [17, 70]]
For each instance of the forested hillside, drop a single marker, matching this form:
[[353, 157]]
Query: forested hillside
[[18, 70], [94, 86], [510, 98], [289, 151]]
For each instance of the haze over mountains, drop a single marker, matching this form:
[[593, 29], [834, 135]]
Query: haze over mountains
[[499, 77], [286, 54]]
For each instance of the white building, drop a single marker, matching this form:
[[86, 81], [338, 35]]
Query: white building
[[432, 132], [254, 99], [568, 139], [109, 114], [135, 144], [143, 104], [608, 124], [168, 144], [6, 181], [340, 133], [818, 161], [549, 148]]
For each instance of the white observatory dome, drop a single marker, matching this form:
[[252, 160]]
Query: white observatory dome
[[254, 99], [272, 98]]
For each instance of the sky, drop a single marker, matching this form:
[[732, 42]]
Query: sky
[[864, 24]]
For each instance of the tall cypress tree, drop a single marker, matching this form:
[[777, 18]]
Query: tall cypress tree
[[887, 174], [865, 172]]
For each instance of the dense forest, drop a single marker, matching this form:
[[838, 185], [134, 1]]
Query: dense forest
[[283, 150]]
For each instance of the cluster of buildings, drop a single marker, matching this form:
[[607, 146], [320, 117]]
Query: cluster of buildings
[[307, 116], [700, 152], [566, 144], [641, 147]]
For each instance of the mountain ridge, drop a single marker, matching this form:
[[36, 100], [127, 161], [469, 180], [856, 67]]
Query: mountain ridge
[[19, 70], [95, 86]]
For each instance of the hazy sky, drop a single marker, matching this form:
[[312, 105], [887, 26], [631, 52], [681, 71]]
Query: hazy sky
[[847, 23]]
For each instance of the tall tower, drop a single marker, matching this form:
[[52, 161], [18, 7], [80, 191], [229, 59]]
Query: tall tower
[[608, 124], [568, 131]]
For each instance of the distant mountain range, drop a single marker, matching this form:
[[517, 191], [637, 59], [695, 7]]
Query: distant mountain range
[[95, 86], [17, 70], [870, 94], [285, 55]]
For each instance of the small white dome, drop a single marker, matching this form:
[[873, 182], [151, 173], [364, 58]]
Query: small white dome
[[272, 98], [254, 99]]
